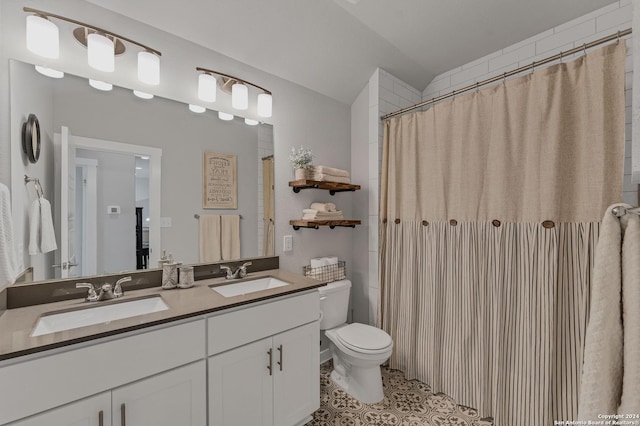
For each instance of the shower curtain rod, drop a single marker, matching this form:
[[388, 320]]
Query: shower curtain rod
[[503, 76]]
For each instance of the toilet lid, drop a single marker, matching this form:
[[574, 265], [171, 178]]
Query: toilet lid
[[364, 336]]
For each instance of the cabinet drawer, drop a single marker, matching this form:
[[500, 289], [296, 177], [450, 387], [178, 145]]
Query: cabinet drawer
[[40, 384], [227, 331]]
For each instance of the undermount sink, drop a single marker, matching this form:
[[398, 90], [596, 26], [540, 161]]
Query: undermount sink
[[250, 286], [97, 314]]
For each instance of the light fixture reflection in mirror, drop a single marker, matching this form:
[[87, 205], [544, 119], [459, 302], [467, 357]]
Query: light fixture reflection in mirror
[[143, 95], [250, 122], [100, 85], [225, 116], [49, 72], [197, 108]]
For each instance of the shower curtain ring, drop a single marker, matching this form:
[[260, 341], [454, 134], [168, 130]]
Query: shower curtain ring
[[477, 86], [504, 78], [584, 49], [561, 53], [533, 66], [618, 36]]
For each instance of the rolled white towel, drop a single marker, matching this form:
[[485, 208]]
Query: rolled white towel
[[329, 178], [318, 262], [330, 171], [323, 207], [332, 260]]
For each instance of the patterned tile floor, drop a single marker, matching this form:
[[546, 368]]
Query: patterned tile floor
[[406, 403]]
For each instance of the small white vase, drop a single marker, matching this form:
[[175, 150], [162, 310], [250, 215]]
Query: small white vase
[[300, 174]]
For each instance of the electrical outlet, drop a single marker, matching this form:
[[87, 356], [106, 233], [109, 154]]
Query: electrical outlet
[[287, 243]]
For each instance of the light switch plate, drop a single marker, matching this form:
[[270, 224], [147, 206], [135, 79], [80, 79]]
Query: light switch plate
[[287, 243], [165, 222]]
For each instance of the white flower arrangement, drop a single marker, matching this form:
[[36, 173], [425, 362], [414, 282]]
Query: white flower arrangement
[[301, 158]]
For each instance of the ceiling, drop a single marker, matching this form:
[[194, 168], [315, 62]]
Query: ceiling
[[334, 46]]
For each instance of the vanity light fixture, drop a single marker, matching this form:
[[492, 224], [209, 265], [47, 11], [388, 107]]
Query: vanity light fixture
[[42, 37], [102, 45], [49, 72], [250, 122], [100, 85], [225, 116], [236, 87], [197, 108], [101, 52], [143, 95]]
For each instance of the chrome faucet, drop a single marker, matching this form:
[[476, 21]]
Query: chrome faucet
[[107, 291], [241, 272]]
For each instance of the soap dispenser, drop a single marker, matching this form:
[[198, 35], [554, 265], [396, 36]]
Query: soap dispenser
[[164, 259], [169, 273]]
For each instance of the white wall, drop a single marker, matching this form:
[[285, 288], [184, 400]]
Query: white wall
[[595, 25], [300, 116]]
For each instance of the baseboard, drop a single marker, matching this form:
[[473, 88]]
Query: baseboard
[[305, 421]]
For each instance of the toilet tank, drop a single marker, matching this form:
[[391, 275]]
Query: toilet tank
[[334, 303]]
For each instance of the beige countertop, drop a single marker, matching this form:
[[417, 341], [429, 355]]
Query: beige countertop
[[16, 325]]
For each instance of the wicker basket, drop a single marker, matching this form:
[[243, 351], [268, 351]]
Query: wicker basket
[[328, 273]]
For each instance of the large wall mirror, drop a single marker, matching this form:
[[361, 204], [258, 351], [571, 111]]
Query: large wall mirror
[[121, 150]]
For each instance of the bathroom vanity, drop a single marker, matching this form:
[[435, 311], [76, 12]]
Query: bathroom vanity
[[208, 359]]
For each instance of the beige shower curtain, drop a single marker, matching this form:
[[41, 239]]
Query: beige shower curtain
[[490, 209], [268, 216]]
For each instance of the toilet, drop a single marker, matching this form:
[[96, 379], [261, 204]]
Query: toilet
[[357, 350]]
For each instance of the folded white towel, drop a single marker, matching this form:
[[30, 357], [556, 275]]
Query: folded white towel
[[323, 207], [332, 260], [329, 178], [329, 171], [42, 236], [8, 257], [318, 262]]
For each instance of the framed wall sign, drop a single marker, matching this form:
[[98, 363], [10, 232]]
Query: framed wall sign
[[219, 181]]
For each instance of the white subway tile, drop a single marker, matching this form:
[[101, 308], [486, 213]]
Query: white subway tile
[[373, 160], [624, 2], [545, 55], [373, 265], [630, 197], [615, 19], [390, 96], [373, 305], [373, 233], [627, 97], [628, 80], [569, 35], [374, 195], [628, 185], [485, 58], [435, 86], [512, 58], [404, 91], [470, 74], [627, 166]]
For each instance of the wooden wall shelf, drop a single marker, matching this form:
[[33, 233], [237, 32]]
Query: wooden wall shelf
[[316, 224], [332, 187]]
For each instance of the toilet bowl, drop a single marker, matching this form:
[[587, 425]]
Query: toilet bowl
[[357, 350]]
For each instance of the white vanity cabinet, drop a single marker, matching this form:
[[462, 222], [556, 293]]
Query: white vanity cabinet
[[157, 374], [167, 399], [273, 381]]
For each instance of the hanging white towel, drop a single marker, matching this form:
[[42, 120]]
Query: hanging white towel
[[8, 257], [230, 236], [210, 238], [42, 237], [601, 382], [631, 316]]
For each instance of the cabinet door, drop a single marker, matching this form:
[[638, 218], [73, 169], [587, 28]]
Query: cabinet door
[[176, 397], [240, 386], [296, 380], [94, 411]]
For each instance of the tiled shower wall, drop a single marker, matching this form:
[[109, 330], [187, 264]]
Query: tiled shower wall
[[388, 94]]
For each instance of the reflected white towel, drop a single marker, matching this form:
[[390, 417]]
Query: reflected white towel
[[210, 238], [8, 258], [42, 236], [230, 236], [323, 207]]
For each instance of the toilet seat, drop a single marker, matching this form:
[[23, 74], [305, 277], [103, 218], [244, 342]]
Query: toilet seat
[[364, 338]]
